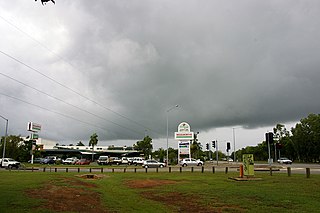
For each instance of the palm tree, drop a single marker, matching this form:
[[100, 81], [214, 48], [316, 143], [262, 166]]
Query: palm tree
[[93, 142]]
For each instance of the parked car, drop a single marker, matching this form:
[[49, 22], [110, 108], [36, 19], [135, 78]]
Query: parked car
[[137, 161], [36, 160], [49, 160], [191, 162], [115, 160], [124, 160], [83, 162], [10, 163], [103, 160], [152, 163], [70, 161], [284, 161]]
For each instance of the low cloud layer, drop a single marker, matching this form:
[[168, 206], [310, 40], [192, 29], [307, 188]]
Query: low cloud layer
[[116, 67]]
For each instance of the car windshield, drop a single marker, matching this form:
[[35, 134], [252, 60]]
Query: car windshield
[[10, 159]]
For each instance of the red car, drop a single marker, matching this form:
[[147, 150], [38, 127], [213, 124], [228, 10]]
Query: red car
[[83, 162]]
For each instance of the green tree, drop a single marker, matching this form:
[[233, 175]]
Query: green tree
[[306, 138], [93, 142], [80, 144], [196, 147], [144, 146], [159, 154]]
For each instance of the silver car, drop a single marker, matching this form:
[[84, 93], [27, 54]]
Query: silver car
[[191, 162], [152, 163]]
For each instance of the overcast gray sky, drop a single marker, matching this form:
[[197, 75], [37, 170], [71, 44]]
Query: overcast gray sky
[[115, 67]]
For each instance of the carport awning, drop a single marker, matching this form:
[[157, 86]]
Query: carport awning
[[88, 153]]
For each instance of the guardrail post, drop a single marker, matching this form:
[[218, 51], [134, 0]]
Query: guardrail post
[[32, 169], [90, 170], [112, 170], [78, 169], [55, 169], [180, 169], [101, 169], [170, 169], [67, 169], [157, 170], [308, 172], [202, 169], [44, 169], [191, 169], [135, 170], [213, 169], [227, 168], [124, 170], [289, 171], [146, 170], [270, 171]]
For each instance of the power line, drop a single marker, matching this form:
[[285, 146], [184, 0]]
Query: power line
[[55, 112], [86, 111], [74, 91], [64, 60]]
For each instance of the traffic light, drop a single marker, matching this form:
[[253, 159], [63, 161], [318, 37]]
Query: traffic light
[[269, 137], [228, 146], [207, 146], [213, 144]]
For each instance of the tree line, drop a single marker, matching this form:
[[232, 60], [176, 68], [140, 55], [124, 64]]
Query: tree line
[[300, 144]]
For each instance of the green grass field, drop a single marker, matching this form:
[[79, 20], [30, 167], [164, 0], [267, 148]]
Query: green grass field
[[157, 192]]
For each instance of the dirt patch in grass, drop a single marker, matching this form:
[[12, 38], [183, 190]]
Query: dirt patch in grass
[[68, 194], [148, 183], [179, 202]]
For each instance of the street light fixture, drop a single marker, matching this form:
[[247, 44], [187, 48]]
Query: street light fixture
[[168, 132], [5, 138]]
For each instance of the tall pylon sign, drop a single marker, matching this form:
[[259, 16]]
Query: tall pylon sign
[[34, 129], [184, 136]]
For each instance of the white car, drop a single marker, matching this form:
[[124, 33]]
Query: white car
[[152, 163], [191, 162], [284, 161], [70, 161], [10, 163]]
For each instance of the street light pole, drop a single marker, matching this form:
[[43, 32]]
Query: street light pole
[[5, 139], [234, 145], [168, 132]]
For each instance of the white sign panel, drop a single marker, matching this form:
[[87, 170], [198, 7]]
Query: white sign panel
[[33, 127]]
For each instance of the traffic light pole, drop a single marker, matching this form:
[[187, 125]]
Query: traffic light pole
[[217, 154]]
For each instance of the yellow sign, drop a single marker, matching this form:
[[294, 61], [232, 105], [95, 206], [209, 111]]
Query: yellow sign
[[248, 165]]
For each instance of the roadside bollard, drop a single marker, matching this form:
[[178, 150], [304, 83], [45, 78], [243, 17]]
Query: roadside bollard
[[124, 170], [67, 169], [180, 169], [78, 170], [44, 169], [289, 171], [101, 170], [270, 171], [213, 169], [146, 170], [191, 169], [112, 170], [169, 169], [241, 171], [227, 168], [157, 170], [55, 169], [135, 170], [90, 170], [308, 172]]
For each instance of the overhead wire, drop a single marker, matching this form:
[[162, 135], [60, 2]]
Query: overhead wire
[[74, 106], [55, 112]]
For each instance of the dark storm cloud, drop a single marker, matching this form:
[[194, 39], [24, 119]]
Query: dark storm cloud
[[238, 63]]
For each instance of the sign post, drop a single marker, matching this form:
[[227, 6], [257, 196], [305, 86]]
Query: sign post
[[33, 128], [184, 136]]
